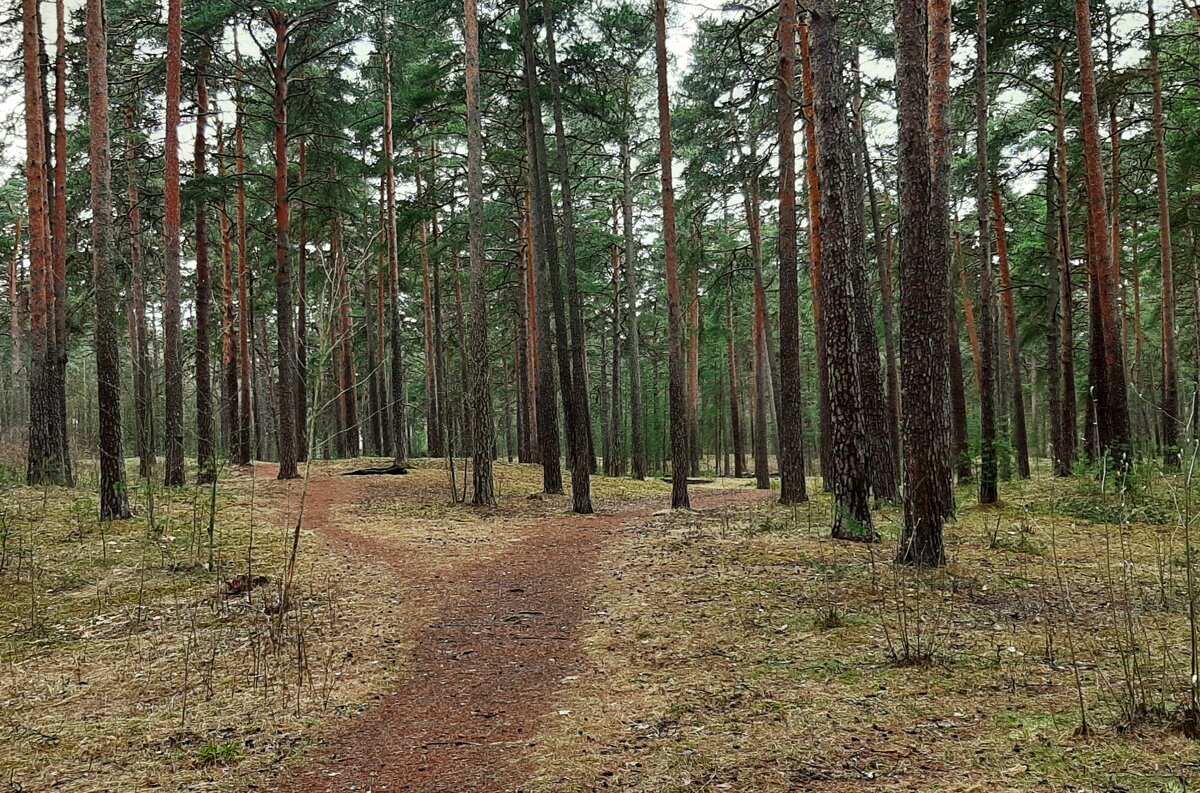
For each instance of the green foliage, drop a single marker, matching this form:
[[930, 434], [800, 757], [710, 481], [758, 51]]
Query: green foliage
[[218, 753]]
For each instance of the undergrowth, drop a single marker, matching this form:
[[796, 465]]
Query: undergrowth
[[1054, 652]]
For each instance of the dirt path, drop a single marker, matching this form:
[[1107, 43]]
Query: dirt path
[[485, 667]]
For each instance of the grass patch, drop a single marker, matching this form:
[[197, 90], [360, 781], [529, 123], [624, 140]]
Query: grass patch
[[141, 653], [776, 655]]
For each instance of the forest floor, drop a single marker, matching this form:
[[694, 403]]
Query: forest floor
[[431, 646], [746, 650]]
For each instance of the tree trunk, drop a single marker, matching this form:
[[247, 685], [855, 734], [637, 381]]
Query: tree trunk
[[968, 311], [845, 359], [379, 329], [815, 236], [614, 459], [206, 456], [883, 257], [16, 330], [521, 338], [114, 501], [302, 439], [246, 310], [543, 244], [762, 367], [694, 444], [439, 346], [987, 341], [924, 373], [580, 428], [639, 462], [792, 488], [1113, 408], [143, 402], [58, 239], [229, 371], [484, 490], [960, 442], [678, 404], [174, 475], [940, 50], [1053, 322], [285, 328], [1070, 435], [399, 411], [465, 432], [343, 342], [1171, 417], [735, 415], [375, 389], [434, 433], [882, 466], [1020, 435]]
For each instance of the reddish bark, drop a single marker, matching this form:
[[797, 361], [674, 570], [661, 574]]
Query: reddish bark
[[1113, 408], [969, 312], [814, 254], [45, 463], [173, 358]]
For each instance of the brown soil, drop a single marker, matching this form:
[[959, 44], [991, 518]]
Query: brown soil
[[485, 668]]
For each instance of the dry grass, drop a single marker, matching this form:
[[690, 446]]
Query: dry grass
[[748, 651], [127, 664], [426, 516]]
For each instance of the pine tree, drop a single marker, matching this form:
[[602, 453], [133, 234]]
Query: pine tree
[[793, 488], [484, 446], [678, 403], [114, 502], [924, 373]]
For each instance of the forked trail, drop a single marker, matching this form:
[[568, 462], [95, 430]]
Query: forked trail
[[488, 661]]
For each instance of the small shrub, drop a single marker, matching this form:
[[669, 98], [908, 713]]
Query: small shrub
[[218, 753]]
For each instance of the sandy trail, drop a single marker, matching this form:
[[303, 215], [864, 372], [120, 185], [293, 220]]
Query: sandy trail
[[488, 662]]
